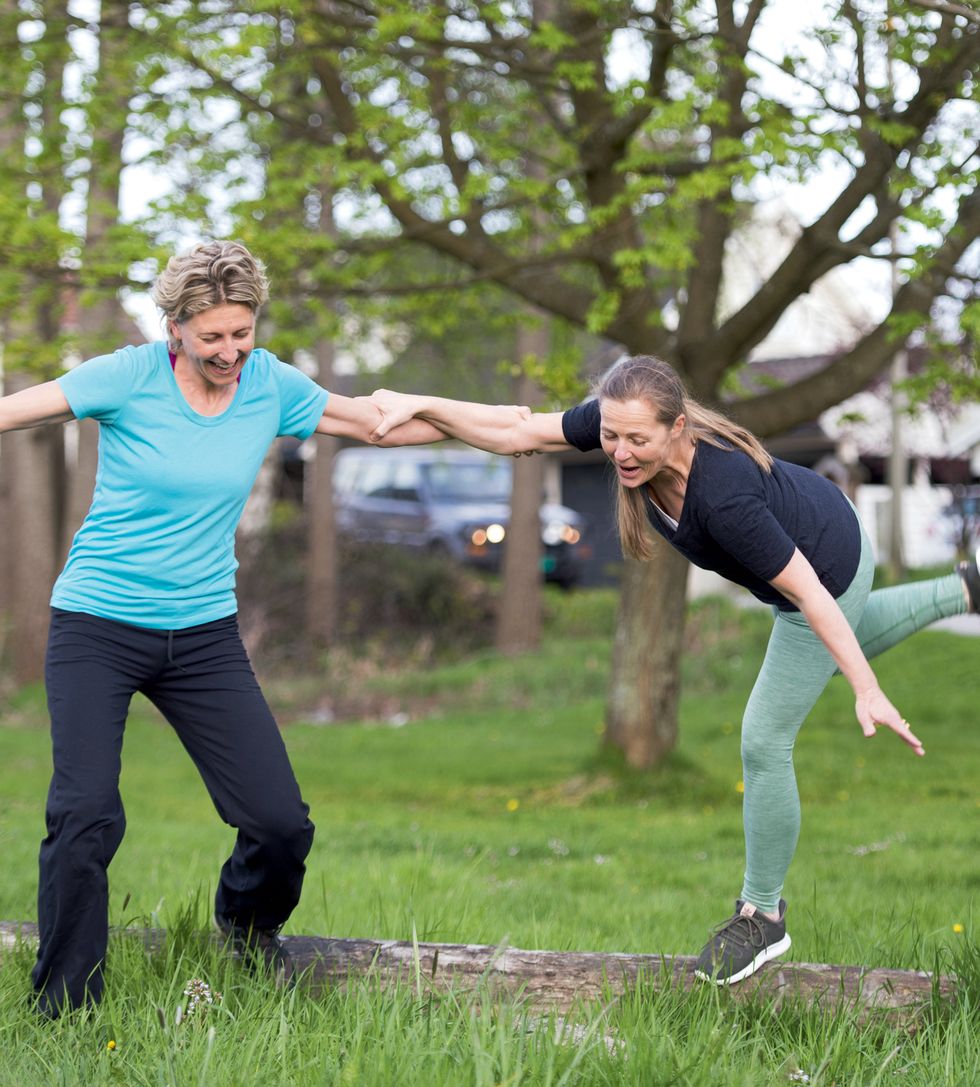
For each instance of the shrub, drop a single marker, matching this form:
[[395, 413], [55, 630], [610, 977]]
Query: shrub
[[403, 602]]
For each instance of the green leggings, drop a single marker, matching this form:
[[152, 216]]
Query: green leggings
[[796, 669]]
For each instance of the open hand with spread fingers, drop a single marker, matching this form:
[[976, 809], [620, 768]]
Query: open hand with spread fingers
[[874, 709]]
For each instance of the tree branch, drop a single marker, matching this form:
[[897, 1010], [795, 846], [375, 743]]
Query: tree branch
[[715, 214], [851, 372], [945, 7], [819, 248]]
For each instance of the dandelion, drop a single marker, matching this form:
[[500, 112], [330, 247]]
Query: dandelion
[[740, 787], [958, 929], [558, 847], [513, 804], [111, 1044]]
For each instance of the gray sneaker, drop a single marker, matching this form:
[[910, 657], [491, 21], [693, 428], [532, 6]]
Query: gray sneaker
[[742, 944], [261, 950]]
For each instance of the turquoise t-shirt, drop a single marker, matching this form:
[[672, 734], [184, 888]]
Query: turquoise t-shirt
[[157, 548]]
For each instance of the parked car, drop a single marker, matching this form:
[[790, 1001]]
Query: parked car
[[450, 501]]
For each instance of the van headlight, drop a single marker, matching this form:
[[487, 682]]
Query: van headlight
[[558, 532], [491, 534]]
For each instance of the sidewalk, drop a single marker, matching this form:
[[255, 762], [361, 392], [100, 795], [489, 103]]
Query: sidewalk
[[959, 624]]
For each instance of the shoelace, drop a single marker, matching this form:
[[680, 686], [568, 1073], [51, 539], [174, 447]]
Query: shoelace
[[742, 931]]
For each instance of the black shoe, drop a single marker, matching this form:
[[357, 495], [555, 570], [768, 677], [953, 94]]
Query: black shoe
[[261, 950], [969, 571], [742, 944]]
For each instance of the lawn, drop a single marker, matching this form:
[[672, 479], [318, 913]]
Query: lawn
[[494, 816]]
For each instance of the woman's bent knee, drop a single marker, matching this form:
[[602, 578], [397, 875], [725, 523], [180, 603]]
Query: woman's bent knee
[[283, 834]]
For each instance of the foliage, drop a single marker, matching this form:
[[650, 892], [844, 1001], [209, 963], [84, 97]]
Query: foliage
[[596, 161], [398, 602], [63, 120]]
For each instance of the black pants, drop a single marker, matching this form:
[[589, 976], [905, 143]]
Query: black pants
[[201, 680]]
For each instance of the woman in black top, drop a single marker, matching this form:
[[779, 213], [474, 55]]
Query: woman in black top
[[791, 537]]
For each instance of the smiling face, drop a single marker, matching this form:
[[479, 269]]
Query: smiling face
[[217, 342], [634, 439]]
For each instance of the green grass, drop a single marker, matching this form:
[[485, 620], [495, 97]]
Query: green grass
[[495, 817]]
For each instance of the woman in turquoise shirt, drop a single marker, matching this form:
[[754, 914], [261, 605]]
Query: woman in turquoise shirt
[[146, 602]]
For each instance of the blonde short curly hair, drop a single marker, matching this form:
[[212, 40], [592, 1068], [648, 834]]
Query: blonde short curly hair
[[210, 274]]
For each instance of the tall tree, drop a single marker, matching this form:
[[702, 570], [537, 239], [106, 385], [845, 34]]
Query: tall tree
[[600, 164], [34, 182], [64, 255], [521, 606], [102, 322]]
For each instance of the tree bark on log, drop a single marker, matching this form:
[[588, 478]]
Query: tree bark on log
[[561, 980]]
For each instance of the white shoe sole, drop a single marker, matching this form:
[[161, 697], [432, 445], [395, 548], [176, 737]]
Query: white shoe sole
[[773, 951]]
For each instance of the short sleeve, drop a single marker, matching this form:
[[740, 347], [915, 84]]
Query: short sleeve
[[581, 426], [301, 403], [746, 530], [99, 388]]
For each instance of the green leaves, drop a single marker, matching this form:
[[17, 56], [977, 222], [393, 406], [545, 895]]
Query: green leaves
[[588, 160]]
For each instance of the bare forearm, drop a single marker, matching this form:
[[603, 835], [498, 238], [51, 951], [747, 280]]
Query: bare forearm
[[414, 432], [358, 418], [497, 428], [486, 426], [827, 621], [800, 585]]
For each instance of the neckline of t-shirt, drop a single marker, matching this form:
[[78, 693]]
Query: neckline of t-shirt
[[665, 516], [187, 410], [669, 521]]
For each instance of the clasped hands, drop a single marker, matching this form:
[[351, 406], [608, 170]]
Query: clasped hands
[[399, 408]]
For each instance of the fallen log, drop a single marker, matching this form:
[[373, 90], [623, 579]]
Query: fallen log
[[558, 980]]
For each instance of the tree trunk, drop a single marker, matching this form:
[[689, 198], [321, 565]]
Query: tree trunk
[[102, 322], [30, 463], [321, 557], [644, 690], [6, 561], [31, 542], [519, 618]]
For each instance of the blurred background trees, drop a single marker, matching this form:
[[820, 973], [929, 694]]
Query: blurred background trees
[[484, 193]]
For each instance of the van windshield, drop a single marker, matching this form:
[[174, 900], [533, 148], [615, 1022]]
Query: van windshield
[[478, 482]]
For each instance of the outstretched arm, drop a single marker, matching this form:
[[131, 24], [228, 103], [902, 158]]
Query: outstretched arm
[[800, 585], [33, 407], [497, 428], [358, 418]]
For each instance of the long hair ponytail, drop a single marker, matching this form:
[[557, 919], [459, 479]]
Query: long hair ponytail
[[648, 379]]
